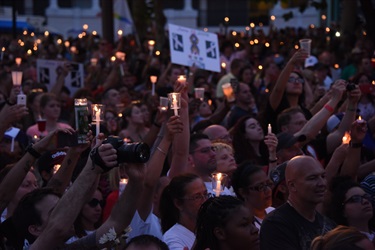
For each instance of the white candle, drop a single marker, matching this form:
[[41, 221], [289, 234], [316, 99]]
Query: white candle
[[269, 128], [97, 119], [12, 145], [153, 81], [122, 70], [123, 183], [218, 185], [151, 44], [174, 104]]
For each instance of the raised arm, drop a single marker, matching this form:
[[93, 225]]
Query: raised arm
[[56, 88], [10, 184], [10, 114], [334, 138], [155, 165], [279, 89], [60, 181], [67, 209], [315, 124], [180, 144]]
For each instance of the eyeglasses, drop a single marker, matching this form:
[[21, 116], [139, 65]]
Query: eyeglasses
[[205, 150], [200, 197], [358, 199], [94, 202], [297, 80], [262, 187]]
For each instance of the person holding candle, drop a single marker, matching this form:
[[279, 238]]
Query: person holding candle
[[366, 104], [50, 109], [134, 123], [250, 143]]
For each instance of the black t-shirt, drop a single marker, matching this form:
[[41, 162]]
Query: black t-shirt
[[285, 228]]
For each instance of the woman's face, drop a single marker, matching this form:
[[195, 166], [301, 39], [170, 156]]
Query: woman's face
[[253, 130], [29, 184], [272, 70], [195, 196], [225, 162], [259, 192], [357, 207], [92, 211], [145, 113], [136, 116], [239, 231], [294, 85], [110, 119], [52, 109], [204, 109]]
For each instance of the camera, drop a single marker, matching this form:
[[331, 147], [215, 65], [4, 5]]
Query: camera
[[350, 87], [137, 152]]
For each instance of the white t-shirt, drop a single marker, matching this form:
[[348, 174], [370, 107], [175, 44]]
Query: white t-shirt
[[259, 221], [151, 226], [178, 237]]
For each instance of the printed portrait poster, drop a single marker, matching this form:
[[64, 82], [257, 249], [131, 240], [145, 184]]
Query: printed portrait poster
[[190, 46], [47, 72]]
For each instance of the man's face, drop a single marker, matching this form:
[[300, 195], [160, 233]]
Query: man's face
[[310, 183], [204, 158], [112, 98], [244, 95], [297, 121]]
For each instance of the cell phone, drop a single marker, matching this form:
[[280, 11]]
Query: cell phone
[[66, 140], [21, 99]]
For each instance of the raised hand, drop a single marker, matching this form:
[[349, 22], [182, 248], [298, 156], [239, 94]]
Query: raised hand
[[174, 126]]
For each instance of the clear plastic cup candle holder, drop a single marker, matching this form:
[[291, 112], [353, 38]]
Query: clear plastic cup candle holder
[[305, 44], [174, 100], [199, 93], [218, 182], [163, 103], [228, 92]]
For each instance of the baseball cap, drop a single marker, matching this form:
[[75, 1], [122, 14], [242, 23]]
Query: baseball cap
[[333, 121], [286, 140], [278, 174]]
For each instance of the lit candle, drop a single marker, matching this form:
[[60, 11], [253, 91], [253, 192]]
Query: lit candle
[[269, 128], [360, 119], [94, 61], [174, 104], [153, 81], [2, 53], [151, 45], [123, 183], [223, 65], [56, 168], [18, 61], [218, 185], [97, 119], [181, 79], [346, 138]]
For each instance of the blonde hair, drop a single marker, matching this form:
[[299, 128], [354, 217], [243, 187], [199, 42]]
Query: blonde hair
[[218, 146]]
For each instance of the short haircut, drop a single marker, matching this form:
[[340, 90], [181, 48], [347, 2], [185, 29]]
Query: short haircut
[[285, 116], [241, 176], [146, 240], [194, 138], [26, 213]]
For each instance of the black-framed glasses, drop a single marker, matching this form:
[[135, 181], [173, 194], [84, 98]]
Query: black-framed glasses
[[296, 79], [200, 197], [205, 150], [358, 199], [94, 202], [262, 187]]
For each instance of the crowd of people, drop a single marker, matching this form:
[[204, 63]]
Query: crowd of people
[[287, 162]]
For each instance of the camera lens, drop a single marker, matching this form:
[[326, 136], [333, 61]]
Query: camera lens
[[133, 153]]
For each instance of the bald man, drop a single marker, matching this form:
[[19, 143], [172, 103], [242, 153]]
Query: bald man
[[218, 133], [296, 223]]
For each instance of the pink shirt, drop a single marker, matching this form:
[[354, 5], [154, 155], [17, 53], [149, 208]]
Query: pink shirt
[[33, 130]]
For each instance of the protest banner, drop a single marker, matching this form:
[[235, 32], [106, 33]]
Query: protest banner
[[190, 46]]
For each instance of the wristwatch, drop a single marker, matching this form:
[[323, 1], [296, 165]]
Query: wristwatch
[[32, 151]]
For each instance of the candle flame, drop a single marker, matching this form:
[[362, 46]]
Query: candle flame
[[218, 176], [346, 138], [359, 118], [3, 49], [223, 65], [151, 42]]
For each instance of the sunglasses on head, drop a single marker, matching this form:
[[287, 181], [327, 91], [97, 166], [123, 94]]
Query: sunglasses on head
[[94, 202]]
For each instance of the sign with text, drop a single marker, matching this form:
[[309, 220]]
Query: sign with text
[[48, 70], [191, 46]]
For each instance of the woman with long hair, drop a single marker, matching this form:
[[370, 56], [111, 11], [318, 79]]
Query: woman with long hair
[[250, 143], [179, 205], [135, 129], [351, 206], [366, 104], [50, 109], [252, 185], [225, 223]]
